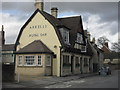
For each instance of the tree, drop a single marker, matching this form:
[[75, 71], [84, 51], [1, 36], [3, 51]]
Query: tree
[[116, 46], [101, 41]]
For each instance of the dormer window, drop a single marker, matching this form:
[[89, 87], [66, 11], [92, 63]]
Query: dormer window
[[65, 35], [83, 48], [79, 38]]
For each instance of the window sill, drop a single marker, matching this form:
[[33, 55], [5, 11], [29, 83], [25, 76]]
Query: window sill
[[48, 66], [29, 66]]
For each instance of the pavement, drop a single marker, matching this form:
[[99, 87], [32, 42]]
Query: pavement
[[41, 83]]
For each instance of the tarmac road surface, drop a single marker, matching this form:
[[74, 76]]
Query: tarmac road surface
[[110, 81]]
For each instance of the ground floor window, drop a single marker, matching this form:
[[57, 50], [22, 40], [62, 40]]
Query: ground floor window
[[66, 60], [39, 60], [48, 61], [19, 60], [85, 62], [29, 60], [77, 63]]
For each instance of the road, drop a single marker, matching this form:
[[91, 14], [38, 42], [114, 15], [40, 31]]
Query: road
[[110, 81]]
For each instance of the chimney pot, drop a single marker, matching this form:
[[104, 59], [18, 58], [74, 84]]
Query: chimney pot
[[2, 38], [39, 5]]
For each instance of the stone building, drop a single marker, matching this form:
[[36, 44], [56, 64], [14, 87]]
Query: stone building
[[47, 45]]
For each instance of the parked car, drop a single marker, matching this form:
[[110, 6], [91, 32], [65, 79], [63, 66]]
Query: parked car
[[104, 71]]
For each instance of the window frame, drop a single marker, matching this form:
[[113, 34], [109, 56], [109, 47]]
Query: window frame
[[85, 62], [79, 38], [38, 60], [21, 60], [47, 60], [65, 33], [25, 64], [84, 48]]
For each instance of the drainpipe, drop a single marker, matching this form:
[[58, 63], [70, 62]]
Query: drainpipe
[[60, 62]]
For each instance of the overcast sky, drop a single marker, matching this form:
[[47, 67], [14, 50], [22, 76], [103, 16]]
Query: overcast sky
[[100, 18]]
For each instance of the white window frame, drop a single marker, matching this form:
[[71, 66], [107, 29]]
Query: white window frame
[[79, 38], [65, 33], [84, 49], [20, 61], [38, 60], [48, 64], [25, 64]]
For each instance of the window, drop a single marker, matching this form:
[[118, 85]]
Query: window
[[79, 38], [19, 60], [85, 62], [66, 60], [65, 35], [48, 61], [39, 60], [29, 60], [83, 48], [77, 46], [77, 61]]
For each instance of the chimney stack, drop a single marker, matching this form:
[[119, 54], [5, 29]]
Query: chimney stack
[[93, 40], [2, 36], [54, 12], [39, 5]]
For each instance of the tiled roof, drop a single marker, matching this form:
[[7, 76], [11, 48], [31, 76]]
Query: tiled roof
[[75, 24], [35, 47], [105, 49], [8, 47]]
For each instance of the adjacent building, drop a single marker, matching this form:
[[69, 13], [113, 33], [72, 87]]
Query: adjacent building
[[110, 57]]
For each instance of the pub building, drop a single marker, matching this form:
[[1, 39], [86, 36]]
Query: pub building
[[47, 45]]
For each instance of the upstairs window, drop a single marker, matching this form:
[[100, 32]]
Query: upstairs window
[[83, 48], [79, 38], [65, 35]]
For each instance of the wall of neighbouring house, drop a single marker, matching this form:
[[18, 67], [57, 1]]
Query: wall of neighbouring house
[[8, 57]]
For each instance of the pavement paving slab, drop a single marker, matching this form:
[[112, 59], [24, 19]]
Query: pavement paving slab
[[44, 81]]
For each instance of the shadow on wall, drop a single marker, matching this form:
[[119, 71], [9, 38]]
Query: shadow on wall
[[8, 73]]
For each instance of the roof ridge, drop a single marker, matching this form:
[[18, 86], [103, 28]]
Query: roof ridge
[[69, 17]]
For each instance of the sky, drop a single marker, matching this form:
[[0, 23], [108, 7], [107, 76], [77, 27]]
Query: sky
[[99, 18]]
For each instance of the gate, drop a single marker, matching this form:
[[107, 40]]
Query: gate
[[8, 72]]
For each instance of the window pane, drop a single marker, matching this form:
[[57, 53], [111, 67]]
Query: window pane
[[29, 60], [39, 60], [48, 62], [66, 60], [20, 60]]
